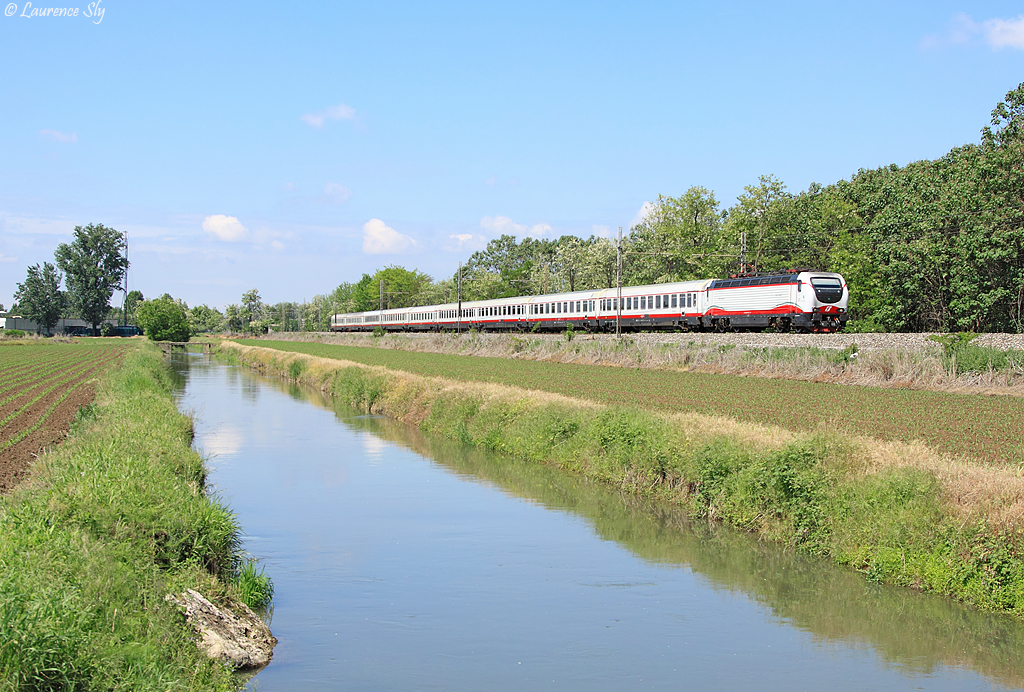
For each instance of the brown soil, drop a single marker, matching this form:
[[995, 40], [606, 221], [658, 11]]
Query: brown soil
[[16, 459]]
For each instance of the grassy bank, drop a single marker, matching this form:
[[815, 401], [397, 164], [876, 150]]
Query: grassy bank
[[897, 513], [109, 523]]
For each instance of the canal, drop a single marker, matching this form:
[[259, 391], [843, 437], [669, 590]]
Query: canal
[[406, 562]]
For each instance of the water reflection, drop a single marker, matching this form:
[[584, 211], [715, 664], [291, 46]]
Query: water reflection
[[911, 632]]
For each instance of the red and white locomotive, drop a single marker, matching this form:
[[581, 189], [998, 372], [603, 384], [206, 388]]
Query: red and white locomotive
[[802, 301]]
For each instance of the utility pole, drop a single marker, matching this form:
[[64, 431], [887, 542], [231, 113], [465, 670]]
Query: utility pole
[[743, 252], [618, 284], [460, 299], [124, 303], [382, 294]]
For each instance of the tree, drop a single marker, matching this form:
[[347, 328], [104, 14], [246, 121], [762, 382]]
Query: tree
[[680, 238], [94, 267], [40, 297], [202, 318], [131, 302], [164, 319], [233, 318], [254, 321]]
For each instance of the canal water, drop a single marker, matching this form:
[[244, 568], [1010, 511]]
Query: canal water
[[406, 562]]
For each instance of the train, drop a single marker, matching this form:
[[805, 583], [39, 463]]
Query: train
[[806, 301]]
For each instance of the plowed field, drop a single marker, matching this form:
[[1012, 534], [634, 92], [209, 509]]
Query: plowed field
[[42, 388]]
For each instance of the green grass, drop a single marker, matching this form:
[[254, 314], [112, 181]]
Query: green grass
[[988, 428], [116, 520]]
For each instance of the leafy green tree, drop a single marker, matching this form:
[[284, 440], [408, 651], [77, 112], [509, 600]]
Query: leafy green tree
[[204, 319], [131, 302], [234, 319], [679, 238], [164, 319], [254, 320], [40, 298], [94, 266], [508, 267], [401, 288]]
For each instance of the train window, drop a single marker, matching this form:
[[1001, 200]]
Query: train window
[[675, 300]]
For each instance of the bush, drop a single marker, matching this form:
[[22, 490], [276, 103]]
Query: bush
[[14, 333], [164, 319], [960, 356]]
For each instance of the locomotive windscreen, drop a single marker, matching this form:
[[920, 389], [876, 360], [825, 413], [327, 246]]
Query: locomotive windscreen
[[827, 288]]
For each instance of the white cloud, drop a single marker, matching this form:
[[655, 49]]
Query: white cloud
[[5, 258], [339, 112], [998, 33], [503, 225], [490, 181], [641, 214], [227, 228], [379, 239], [55, 136], [277, 245], [600, 231], [466, 241], [336, 193], [1005, 33]]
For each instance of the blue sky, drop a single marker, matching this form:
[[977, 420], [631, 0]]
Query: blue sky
[[293, 146]]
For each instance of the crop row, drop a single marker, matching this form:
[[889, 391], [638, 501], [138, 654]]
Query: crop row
[[38, 374], [64, 377], [53, 370], [71, 371], [13, 368], [983, 427]]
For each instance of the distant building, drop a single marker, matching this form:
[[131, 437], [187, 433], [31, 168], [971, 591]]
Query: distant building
[[63, 326]]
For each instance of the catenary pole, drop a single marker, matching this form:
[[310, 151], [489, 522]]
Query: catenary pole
[[618, 284]]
